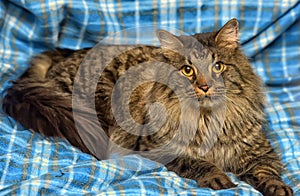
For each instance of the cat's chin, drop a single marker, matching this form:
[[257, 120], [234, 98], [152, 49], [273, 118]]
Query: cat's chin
[[209, 102]]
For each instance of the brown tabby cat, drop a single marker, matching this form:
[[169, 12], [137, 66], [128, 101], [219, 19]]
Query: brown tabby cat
[[193, 104]]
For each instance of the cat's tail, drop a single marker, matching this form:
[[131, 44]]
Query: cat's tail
[[39, 105]]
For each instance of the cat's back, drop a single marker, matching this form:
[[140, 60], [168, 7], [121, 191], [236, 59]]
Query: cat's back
[[65, 63], [68, 61]]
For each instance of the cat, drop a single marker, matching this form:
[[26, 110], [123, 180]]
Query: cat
[[194, 104]]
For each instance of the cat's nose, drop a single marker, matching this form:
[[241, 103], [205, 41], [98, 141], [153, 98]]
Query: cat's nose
[[204, 88]]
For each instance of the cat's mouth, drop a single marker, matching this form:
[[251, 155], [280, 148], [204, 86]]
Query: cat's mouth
[[204, 98], [209, 100], [212, 98]]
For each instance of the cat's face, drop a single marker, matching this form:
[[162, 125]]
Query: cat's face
[[215, 66], [199, 64], [207, 81]]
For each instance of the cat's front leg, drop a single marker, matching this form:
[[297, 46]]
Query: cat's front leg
[[205, 173], [264, 175]]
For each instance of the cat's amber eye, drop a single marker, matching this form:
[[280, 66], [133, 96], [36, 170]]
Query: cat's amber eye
[[218, 68], [188, 71]]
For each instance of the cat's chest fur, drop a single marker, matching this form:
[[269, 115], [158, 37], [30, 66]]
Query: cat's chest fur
[[229, 141]]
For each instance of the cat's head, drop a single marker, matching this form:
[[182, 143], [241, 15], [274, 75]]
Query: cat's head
[[213, 63]]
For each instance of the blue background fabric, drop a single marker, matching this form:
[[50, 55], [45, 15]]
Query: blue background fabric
[[31, 164]]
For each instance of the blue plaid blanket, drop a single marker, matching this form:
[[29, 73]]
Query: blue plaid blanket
[[33, 165]]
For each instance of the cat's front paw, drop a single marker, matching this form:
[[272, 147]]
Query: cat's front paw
[[216, 182], [274, 187]]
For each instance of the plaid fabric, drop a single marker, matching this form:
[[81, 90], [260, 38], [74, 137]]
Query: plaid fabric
[[33, 165]]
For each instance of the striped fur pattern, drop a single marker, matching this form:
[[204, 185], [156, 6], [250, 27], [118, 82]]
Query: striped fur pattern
[[222, 102]]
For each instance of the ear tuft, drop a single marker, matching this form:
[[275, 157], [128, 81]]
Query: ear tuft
[[227, 36]]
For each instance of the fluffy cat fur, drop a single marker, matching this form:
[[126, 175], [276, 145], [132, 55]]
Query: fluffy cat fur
[[208, 113]]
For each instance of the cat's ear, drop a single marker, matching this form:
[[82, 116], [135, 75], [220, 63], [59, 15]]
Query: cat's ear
[[168, 40], [227, 36]]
